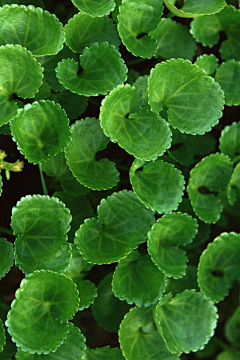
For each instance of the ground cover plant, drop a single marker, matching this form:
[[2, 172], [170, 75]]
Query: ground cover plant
[[120, 179]]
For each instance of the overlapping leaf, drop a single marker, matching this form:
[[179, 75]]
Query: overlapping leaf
[[41, 129], [33, 28], [40, 224], [20, 75], [229, 141], [219, 266], [44, 303], [101, 69], [158, 184], [165, 240], [6, 256], [2, 336], [136, 19], [179, 320], [193, 8], [193, 100], [141, 133], [122, 224], [95, 8], [232, 328], [228, 76], [104, 353], [233, 189], [208, 63]]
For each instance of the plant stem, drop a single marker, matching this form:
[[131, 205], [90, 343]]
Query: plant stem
[[45, 191], [6, 231]]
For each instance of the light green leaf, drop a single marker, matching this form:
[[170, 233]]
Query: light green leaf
[[208, 63], [228, 76], [87, 139], [136, 19], [40, 224], [207, 179], [107, 309], [104, 353], [195, 8], [94, 8], [219, 266], [131, 280], [6, 256], [141, 133], [122, 224], [232, 328], [193, 100], [95, 76], [158, 184], [173, 40], [229, 141], [2, 336], [165, 237], [139, 337], [179, 321], [33, 28], [44, 303], [41, 129], [20, 75], [73, 348], [83, 30]]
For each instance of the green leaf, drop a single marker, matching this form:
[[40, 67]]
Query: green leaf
[[131, 280], [93, 8], [208, 63], [188, 281], [136, 19], [73, 348], [21, 75], [233, 190], [2, 336], [33, 28], [1, 184], [122, 224], [83, 30], [87, 293], [9, 349], [104, 353], [179, 321], [57, 167], [228, 355], [142, 133], [23, 2], [41, 129], [165, 237], [207, 179], [78, 267], [219, 266], [44, 303], [73, 104], [173, 40], [40, 224], [193, 100], [87, 139], [6, 256], [232, 328], [206, 30], [229, 141], [139, 337], [107, 309], [94, 76], [141, 84], [195, 8], [228, 76], [158, 184]]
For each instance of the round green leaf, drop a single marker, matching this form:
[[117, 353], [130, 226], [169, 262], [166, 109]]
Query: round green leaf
[[173, 40], [229, 141], [20, 75], [233, 190], [94, 8], [38, 319], [107, 309], [40, 224], [131, 280], [159, 185], [207, 179], [87, 139], [228, 76], [122, 224], [104, 353], [2, 336], [208, 63], [165, 237], [136, 19], [6, 256], [83, 30], [40, 129], [73, 348], [219, 266], [193, 100], [87, 293], [142, 133], [187, 309], [95, 76], [140, 339], [194, 8], [33, 28]]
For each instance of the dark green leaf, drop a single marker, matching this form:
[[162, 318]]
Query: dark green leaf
[[6, 256], [230, 140], [104, 353], [232, 328], [228, 76]]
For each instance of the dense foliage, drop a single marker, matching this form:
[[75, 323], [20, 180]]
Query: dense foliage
[[129, 109]]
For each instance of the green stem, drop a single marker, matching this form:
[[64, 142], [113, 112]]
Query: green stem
[[236, 159], [6, 231], [45, 191]]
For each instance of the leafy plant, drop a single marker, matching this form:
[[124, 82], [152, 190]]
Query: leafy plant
[[129, 109]]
